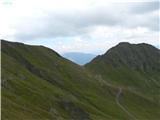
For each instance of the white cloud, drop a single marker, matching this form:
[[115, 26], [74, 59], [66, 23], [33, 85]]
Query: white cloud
[[100, 39], [87, 25]]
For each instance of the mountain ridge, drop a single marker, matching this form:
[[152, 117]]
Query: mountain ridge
[[37, 83], [119, 63]]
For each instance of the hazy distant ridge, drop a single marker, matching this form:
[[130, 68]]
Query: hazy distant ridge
[[78, 57]]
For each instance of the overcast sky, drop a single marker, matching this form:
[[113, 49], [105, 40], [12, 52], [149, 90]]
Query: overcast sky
[[90, 26]]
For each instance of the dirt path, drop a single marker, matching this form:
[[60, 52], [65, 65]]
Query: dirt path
[[121, 106]]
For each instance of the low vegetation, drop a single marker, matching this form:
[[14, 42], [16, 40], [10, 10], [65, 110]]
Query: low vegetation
[[38, 84]]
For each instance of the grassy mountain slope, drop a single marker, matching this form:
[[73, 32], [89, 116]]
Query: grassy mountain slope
[[132, 66], [37, 83]]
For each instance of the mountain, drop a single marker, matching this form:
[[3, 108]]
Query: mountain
[[37, 83], [136, 66], [78, 57]]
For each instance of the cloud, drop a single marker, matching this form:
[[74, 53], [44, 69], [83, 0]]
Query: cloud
[[100, 39], [46, 22], [144, 7], [85, 24]]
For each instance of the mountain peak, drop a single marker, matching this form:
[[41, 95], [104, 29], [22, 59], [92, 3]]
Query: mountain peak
[[136, 56], [37, 84], [124, 43]]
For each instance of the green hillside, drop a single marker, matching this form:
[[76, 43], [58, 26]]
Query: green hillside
[[39, 84], [135, 67]]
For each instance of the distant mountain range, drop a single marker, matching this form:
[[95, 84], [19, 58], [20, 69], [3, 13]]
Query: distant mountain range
[[39, 84], [78, 57]]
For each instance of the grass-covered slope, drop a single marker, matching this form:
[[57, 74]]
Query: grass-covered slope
[[39, 84], [133, 66]]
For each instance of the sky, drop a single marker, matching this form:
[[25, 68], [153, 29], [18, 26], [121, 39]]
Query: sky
[[89, 26]]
